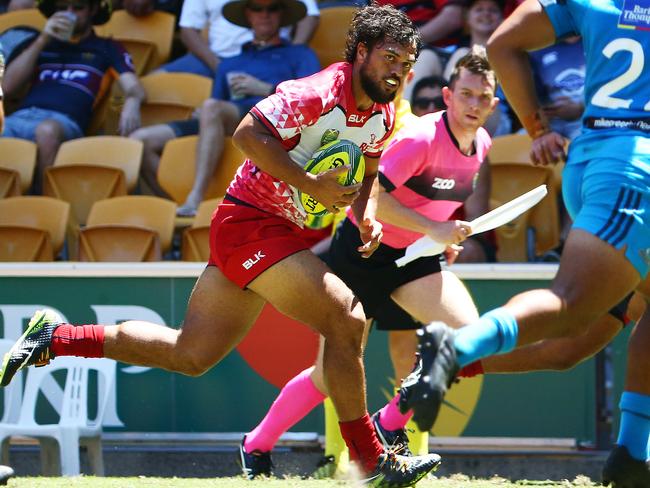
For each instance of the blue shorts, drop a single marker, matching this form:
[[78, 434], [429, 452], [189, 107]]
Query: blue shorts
[[188, 64], [610, 198], [22, 123]]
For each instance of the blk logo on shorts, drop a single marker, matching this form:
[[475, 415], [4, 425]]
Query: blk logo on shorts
[[250, 262]]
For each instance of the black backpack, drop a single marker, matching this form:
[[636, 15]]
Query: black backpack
[[15, 39]]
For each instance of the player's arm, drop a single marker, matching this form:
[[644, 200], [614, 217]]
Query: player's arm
[[365, 209], [267, 152], [478, 202], [394, 212], [527, 29]]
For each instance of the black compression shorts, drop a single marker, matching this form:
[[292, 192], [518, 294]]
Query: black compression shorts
[[374, 279]]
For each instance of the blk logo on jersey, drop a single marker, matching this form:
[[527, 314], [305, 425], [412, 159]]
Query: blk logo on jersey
[[357, 119], [250, 262], [443, 183]]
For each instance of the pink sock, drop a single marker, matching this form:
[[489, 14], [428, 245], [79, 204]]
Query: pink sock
[[391, 418], [298, 397]]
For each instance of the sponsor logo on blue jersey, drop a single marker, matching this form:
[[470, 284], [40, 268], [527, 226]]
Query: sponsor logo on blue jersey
[[635, 14]]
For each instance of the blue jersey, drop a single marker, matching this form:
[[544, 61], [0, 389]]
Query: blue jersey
[[271, 64], [70, 77], [616, 39]]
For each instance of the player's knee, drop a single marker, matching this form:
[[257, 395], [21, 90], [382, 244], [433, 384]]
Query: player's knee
[[345, 330]]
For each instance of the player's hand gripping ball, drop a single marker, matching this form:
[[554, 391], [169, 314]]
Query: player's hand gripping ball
[[332, 155]]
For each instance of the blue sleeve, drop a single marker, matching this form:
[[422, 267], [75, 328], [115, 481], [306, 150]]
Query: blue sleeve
[[220, 89], [120, 59], [560, 13], [308, 63]]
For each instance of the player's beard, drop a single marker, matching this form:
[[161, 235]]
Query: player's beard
[[373, 88]]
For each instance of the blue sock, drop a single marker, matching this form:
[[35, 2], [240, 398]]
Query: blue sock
[[494, 333], [635, 424]]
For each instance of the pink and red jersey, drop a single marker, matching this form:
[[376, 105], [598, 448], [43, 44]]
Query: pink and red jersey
[[299, 114], [424, 169]]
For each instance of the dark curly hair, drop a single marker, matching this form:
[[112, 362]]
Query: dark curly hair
[[375, 23]]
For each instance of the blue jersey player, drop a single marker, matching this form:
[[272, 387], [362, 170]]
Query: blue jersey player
[[606, 187]]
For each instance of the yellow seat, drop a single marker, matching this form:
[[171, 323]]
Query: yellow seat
[[20, 243], [196, 239], [30, 17], [9, 183], [331, 34], [82, 185], [36, 212], [17, 162], [110, 151], [173, 96], [537, 230], [118, 243], [148, 39], [176, 169], [140, 211], [89, 169]]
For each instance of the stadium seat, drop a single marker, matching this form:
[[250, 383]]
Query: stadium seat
[[196, 242], [118, 243], [177, 168], [512, 175], [110, 151], [331, 34], [152, 217], [173, 96], [24, 244], [33, 216], [30, 17], [17, 164], [9, 183], [82, 185], [74, 427], [13, 392], [148, 39]]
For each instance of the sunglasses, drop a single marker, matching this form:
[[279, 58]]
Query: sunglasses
[[424, 102], [274, 7]]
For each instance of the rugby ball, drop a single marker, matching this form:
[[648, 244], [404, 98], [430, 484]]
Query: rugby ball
[[332, 155]]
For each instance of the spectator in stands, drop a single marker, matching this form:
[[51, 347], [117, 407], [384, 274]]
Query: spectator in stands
[[224, 38], [142, 8], [440, 23], [241, 81], [559, 72], [482, 19], [426, 96], [69, 65]]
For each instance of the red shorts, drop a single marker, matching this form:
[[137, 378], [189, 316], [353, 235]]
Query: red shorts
[[245, 241]]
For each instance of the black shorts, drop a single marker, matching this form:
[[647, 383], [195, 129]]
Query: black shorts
[[374, 279]]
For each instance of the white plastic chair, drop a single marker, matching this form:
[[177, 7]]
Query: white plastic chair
[[13, 393], [74, 427]]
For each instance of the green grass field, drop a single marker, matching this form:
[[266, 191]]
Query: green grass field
[[143, 482]]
